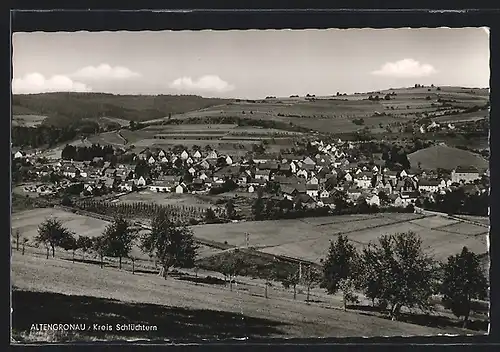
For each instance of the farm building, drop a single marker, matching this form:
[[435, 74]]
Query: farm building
[[428, 185], [465, 174]]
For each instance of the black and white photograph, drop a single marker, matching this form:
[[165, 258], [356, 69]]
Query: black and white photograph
[[229, 185]]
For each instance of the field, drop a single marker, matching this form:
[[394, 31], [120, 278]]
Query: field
[[187, 312], [187, 200], [309, 239], [27, 120], [442, 156]]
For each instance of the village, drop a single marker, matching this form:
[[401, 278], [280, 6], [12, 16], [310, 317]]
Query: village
[[313, 180]]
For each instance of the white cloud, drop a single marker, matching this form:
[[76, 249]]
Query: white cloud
[[209, 83], [105, 71], [37, 83], [406, 68]]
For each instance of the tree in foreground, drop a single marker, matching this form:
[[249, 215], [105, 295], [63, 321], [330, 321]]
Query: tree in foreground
[[84, 243], [52, 233], [311, 278], [340, 269], [172, 245], [463, 280], [291, 280], [407, 276], [70, 244], [231, 267], [118, 239], [99, 246]]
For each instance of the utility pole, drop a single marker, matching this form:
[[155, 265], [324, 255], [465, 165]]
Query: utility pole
[[247, 239], [300, 270]]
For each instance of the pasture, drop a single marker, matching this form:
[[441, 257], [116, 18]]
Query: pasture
[[27, 222], [309, 239], [443, 156]]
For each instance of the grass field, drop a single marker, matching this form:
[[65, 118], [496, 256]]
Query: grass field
[[188, 311], [442, 156], [309, 239]]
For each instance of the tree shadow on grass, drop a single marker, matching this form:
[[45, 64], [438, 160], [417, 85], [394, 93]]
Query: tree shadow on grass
[[173, 323], [433, 321], [203, 280]]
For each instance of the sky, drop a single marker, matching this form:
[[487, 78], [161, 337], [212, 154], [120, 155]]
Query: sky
[[249, 64]]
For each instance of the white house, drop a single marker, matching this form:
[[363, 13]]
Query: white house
[[203, 176], [363, 181], [348, 177], [465, 174], [161, 154], [313, 180], [373, 200], [302, 173], [141, 181], [127, 186], [251, 189], [204, 164], [164, 159], [191, 170], [293, 167], [229, 161], [403, 174], [197, 154], [375, 169], [179, 189], [324, 194], [212, 155], [151, 160], [18, 155], [429, 185], [189, 161], [184, 155], [312, 190], [262, 175]]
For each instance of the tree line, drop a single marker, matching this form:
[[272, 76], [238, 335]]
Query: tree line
[[172, 245], [84, 153]]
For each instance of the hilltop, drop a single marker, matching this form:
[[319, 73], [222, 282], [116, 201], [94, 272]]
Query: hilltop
[[443, 156], [61, 109]]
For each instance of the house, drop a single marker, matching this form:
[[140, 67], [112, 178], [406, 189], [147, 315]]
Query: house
[[109, 183], [328, 202], [88, 188], [189, 160], [262, 174], [180, 189], [161, 154], [164, 160], [309, 161], [251, 189], [445, 183], [198, 184], [313, 181], [110, 173], [197, 155], [204, 164], [229, 160], [324, 194], [428, 185], [405, 199], [348, 177], [353, 193], [160, 186], [191, 170], [212, 155], [302, 173], [18, 155], [127, 186], [465, 174], [71, 172], [293, 167], [184, 155], [312, 190], [373, 200], [363, 180], [261, 159], [141, 181]]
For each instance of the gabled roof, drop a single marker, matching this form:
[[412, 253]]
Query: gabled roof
[[426, 182], [312, 187], [466, 169]]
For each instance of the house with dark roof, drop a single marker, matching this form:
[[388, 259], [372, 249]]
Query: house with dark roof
[[465, 174], [262, 174], [312, 190], [427, 185]]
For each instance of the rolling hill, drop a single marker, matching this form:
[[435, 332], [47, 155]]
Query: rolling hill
[[65, 108], [443, 156]]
